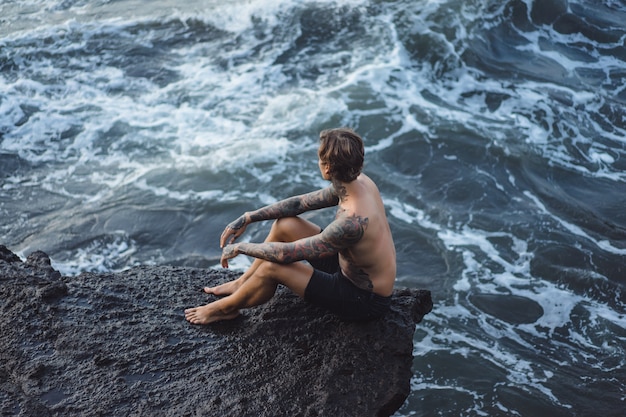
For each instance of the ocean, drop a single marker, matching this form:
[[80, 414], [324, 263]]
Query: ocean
[[132, 132]]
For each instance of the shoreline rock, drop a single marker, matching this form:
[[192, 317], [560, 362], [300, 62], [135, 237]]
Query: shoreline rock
[[117, 344]]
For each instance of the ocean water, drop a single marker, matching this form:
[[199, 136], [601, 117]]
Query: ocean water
[[132, 132]]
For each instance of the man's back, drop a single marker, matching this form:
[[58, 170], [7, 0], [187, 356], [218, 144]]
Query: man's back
[[371, 262]]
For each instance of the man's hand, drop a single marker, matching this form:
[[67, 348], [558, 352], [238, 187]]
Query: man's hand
[[233, 231], [229, 252]]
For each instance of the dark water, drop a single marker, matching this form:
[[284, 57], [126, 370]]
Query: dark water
[[131, 132]]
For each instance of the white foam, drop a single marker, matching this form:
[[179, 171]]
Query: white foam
[[519, 371], [444, 326], [235, 109], [99, 256], [464, 97], [574, 229]]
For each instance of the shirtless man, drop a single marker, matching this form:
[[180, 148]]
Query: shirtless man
[[351, 264]]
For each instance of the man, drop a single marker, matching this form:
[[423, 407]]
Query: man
[[351, 264]]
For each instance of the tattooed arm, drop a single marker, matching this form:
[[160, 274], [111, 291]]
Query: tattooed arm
[[289, 207], [342, 233]]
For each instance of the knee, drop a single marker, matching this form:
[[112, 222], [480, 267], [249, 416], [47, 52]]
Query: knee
[[267, 270], [282, 228]]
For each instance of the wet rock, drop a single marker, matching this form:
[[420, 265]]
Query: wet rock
[[118, 344], [8, 256]]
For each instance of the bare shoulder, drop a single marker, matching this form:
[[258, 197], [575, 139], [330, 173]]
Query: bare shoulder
[[372, 186], [367, 199], [346, 230]]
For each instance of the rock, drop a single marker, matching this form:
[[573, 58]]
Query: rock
[[118, 344], [8, 256]]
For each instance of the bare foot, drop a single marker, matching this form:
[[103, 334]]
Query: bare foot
[[224, 289], [208, 314]]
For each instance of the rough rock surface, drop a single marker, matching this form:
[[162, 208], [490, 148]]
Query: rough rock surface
[[118, 345]]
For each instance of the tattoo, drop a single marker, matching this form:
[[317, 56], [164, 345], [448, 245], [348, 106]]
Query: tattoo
[[296, 205], [341, 190], [346, 231], [288, 252], [320, 199], [358, 277], [238, 224], [341, 234]]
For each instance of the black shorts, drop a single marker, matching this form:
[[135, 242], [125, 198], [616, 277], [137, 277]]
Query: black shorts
[[330, 289]]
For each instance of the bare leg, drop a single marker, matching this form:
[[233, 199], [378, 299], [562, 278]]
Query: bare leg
[[287, 229], [230, 287], [257, 289], [253, 291]]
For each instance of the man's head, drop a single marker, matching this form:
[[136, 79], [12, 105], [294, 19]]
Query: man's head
[[341, 151]]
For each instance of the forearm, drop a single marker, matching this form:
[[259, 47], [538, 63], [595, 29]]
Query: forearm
[[285, 208], [294, 206], [289, 207], [287, 252], [268, 251]]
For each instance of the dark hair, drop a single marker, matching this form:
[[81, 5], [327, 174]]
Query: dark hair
[[342, 149]]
